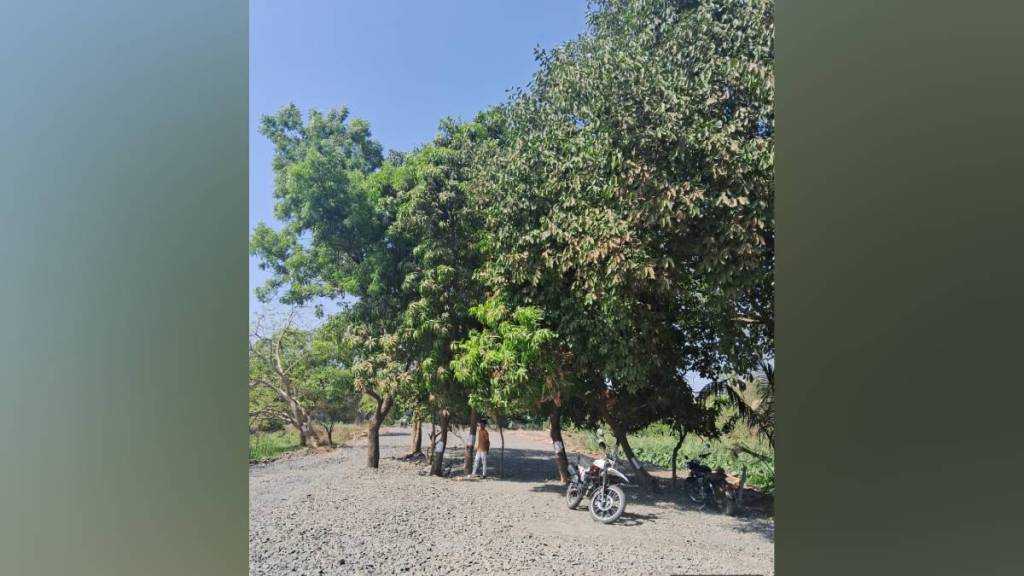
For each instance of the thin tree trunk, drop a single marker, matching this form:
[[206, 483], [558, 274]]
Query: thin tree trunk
[[417, 437], [556, 440], [439, 445], [675, 453], [647, 482], [433, 437], [307, 436], [373, 435], [373, 444], [467, 466], [312, 439], [501, 457]]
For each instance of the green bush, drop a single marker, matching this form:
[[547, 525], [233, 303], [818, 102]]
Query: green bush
[[653, 445]]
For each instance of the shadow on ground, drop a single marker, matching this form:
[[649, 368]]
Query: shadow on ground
[[537, 467]]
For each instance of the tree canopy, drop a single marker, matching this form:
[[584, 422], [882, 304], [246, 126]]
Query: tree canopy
[[581, 248]]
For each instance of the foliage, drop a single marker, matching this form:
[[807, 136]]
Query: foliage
[[338, 201], [632, 200], [333, 238], [752, 399], [585, 246], [437, 219], [654, 445], [503, 364]]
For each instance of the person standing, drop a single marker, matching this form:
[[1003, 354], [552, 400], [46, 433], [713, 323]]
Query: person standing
[[483, 443]]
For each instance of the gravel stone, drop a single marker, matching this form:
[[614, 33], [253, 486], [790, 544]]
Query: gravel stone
[[328, 514]]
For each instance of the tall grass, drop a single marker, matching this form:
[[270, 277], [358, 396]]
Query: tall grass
[[267, 445]]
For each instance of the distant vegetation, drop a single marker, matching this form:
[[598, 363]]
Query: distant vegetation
[[655, 444], [267, 445], [270, 445]]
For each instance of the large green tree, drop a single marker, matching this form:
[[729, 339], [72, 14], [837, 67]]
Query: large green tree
[[625, 197], [337, 201], [632, 199], [439, 220]]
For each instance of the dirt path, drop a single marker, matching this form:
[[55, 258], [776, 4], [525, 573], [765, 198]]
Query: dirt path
[[329, 514]]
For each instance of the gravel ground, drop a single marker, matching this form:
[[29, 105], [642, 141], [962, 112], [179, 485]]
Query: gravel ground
[[329, 514]]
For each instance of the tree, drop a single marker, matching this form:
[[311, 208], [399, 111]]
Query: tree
[[619, 209], [690, 414], [380, 370], [338, 400], [280, 382], [753, 398], [439, 222], [510, 366], [631, 199], [337, 201]]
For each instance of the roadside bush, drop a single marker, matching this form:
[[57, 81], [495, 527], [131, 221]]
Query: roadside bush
[[653, 446]]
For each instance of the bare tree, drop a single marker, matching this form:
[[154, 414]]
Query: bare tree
[[278, 360]]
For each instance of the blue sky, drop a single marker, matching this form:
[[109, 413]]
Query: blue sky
[[400, 65]]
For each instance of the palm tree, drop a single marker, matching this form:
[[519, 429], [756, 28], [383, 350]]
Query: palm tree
[[752, 395]]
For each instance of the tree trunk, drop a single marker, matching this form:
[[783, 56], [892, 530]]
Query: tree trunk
[[373, 435], [556, 440], [646, 481], [417, 437], [675, 453], [439, 445], [433, 438], [330, 433], [467, 467], [307, 435], [501, 458], [373, 444]]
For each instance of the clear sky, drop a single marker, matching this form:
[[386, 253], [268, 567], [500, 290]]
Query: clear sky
[[401, 65]]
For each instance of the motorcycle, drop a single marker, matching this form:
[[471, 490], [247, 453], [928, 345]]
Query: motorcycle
[[704, 485], [602, 483]]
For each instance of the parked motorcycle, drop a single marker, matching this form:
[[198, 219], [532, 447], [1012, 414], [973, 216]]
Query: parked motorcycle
[[705, 486], [601, 482]]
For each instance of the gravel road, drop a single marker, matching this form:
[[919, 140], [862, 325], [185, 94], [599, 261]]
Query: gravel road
[[328, 514]]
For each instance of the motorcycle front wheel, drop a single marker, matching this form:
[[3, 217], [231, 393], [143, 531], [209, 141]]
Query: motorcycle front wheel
[[608, 506], [573, 494]]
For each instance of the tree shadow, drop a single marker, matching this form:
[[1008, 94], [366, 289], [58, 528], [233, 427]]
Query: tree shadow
[[633, 519], [760, 526], [520, 465], [538, 468], [549, 488]]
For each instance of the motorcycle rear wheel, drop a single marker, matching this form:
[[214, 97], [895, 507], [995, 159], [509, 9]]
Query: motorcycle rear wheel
[[718, 499], [573, 494], [695, 491]]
